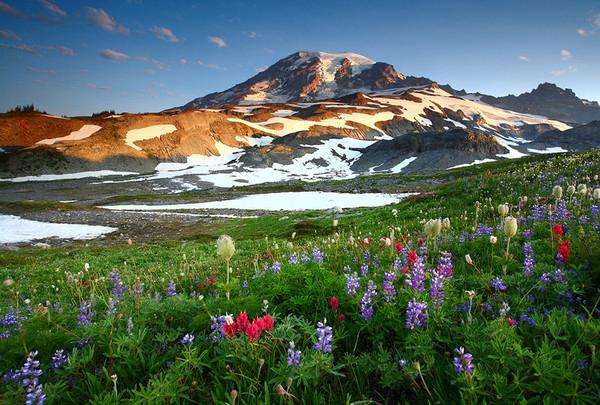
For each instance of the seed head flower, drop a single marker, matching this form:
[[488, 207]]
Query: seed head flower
[[8, 282], [433, 227], [503, 210], [510, 226], [225, 247], [582, 189], [557, 192], [493, 239], [596, 194]]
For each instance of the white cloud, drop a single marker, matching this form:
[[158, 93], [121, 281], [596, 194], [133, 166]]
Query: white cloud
[[164, 33], [114, 55], [565, 54], [7, 9], [218, 41], [151, 61], [210, 65], [183, 61], [524, 58], [582, 32], [7, 34], [561, 72], [250, 34], [21, 47], [63, 50], [53, 8], [103, 20], [43, 71]]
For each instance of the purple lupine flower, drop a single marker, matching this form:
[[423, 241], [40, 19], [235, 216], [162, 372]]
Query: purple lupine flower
[[119, 289], [216, 327], [85, 314], [498, 285], [463, 362], [276, 268], [529, 261], [324, 336], [29, 374], [436, 293], [317, 256], [504, 309], [59, 359], [9, 319], [416, 315], [82, 343], [389, 291], [583, 220], [352, 284], [398, 264], [376, 262], [562, 213], [527, 233], [366, 303], [364, 269], [594, 211], [187, 340], [367, 257], [11, 376], [293, 259], [293, 356], [559, 276], [416, 277], [305, 258], [445, 267], [347, 269], [402, 363], [538, 213], [137, 290], [171, 289], [527, 319], [112, 306], [483, 230], [545, 278], [582, 364]]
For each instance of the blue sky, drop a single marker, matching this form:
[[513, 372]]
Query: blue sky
[[78, 57]]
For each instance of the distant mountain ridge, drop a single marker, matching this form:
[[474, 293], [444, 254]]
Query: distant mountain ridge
[[550, 101]]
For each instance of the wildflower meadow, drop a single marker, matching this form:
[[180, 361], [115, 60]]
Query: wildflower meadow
[[481, 288]]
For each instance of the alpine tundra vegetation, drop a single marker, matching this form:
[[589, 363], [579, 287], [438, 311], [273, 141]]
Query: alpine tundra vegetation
[[496, 302]]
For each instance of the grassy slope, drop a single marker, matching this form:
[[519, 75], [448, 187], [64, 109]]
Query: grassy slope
[[511, 363]]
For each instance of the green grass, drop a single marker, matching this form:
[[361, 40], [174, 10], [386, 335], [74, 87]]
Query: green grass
[[541, 363]]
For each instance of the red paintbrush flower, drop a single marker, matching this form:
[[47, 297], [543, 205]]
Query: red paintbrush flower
[[412, 256], [564, 250], [334, 303], [398, 247], [557, 229], [512, 323], [341, 317]]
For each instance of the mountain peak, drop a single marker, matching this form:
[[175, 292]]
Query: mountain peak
[[310, 76]]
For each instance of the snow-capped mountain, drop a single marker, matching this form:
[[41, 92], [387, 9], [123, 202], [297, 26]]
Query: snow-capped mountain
[[312, 115], [309, 76]]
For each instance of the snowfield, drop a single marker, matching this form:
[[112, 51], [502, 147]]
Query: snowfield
[[150, 132], [290, 201], [16, 229], [68, 176], [84, 132]]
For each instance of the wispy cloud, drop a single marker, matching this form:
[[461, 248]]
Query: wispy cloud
[[164, 33], [593, 28], [250, 34], [565, 54], [183, 61], [7, 34], [53, 8], [151, 61], [95, 86], [210, 65], [41, 71], [22, 48], [113, 55], [561, 72], [105, 21], [524, 58], [582, 32], [63, 50], [218, 41], [9, 10]]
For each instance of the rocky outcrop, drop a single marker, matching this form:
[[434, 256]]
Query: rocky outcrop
[[432, 150]]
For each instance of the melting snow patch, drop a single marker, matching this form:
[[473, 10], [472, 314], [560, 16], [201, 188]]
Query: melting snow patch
[[398, 168], [475, 162], [68, 176], [150, 132], [290, 201], [17, 229], [84, 132], [553, 149]]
